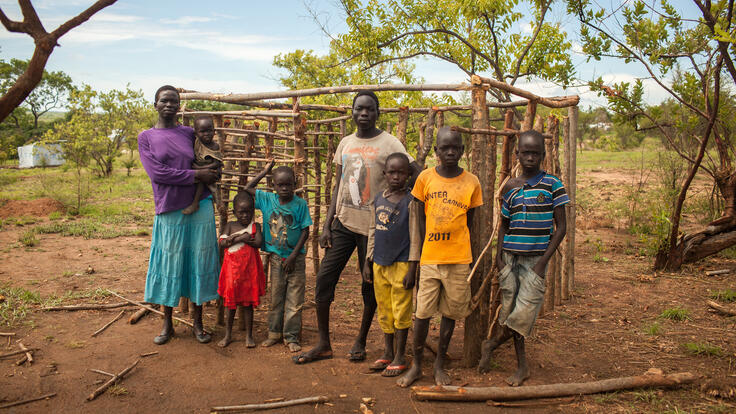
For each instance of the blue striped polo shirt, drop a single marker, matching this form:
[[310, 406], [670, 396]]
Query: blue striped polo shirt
[[529, 209]]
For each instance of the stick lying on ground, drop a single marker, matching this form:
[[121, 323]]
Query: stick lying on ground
[[140, 305], [22, 351], [450, 393], [720, 308], [111, 381], [7, 333], [717, 272], [30, 400], [27, 357], [138, 315], [87, 307], [268, 406], [107, 325], [537, 403]]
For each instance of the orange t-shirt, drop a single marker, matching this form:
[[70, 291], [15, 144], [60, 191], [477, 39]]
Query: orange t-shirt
[[446, 203]]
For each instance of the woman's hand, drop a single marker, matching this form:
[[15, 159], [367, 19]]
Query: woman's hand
[[206, 176]]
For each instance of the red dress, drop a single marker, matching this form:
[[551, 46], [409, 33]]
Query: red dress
[[242, 281]]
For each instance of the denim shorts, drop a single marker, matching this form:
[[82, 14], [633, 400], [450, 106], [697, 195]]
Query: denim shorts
[[522, 293]]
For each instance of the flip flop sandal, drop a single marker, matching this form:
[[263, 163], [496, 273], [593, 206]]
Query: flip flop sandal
[[357, 356], [380, 365], [393, 370], [304, 358]]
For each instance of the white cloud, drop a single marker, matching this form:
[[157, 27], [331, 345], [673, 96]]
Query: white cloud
[[187, 20], [115, 18], [526, 27], [115, 28]]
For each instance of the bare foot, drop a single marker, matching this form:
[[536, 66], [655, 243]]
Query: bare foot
[[250, 342], [519, 377], [487, 348], [270, 342], [413, 374], [441, 377], [225, 341], [294, 347], [191, 209]]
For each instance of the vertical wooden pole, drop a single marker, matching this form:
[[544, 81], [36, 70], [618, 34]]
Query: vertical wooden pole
[[299, 126], [549, 294], [272, 127], [428, 138], [224, 191], [560, 261], [572, 190], [440, 121], [564, 283], [529, 115], [507, 148], [316, 216], [476, 324], [329, 165], [401, 125]]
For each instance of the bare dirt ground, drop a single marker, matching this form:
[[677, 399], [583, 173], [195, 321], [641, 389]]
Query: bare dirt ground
[[600, 333]]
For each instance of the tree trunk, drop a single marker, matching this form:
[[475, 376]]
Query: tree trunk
[[484, 167]]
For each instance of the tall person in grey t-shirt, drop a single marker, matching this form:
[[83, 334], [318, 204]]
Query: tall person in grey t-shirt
[[359, 159]]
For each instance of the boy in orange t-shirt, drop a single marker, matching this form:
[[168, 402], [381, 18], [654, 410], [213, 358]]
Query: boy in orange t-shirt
[[447, 196]]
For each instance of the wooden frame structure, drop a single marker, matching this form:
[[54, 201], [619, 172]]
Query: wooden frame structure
[[295, 135]]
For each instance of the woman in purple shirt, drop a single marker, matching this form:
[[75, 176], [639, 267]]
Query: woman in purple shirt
[[184, 256]]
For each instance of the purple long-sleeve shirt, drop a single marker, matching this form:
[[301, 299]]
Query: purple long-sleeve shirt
[[167, 155]]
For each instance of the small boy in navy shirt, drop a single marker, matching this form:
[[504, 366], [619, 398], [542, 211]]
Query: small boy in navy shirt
[[286, 222], [533, 224], [394, 249]]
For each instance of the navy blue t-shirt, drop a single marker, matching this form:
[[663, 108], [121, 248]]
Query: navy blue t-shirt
[[392, 240]]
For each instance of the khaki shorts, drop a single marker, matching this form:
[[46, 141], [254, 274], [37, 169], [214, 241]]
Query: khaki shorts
[[443, 288]]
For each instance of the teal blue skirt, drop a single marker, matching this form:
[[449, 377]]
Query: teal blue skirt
[[185, 259]]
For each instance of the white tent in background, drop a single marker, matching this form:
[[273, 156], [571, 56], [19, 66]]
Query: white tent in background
[[39, 155]]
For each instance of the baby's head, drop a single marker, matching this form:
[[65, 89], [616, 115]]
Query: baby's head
[[396, 171], [243, 207], [204, 129], [284, 182]]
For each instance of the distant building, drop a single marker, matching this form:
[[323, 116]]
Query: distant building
[[39, 155], [601, 125]]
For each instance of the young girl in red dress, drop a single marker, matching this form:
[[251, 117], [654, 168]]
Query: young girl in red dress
[[242, 281]]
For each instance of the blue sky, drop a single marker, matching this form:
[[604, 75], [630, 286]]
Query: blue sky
[[223, 46]]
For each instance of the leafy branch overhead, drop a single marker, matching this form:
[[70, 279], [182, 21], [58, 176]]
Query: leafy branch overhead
[[45, 42], [476, 36], [685, 58]]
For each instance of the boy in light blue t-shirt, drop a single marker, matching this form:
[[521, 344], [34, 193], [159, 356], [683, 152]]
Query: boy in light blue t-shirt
[[286, 222]]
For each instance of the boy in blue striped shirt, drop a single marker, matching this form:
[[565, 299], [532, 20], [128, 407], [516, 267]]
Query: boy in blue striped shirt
[[533, 224]]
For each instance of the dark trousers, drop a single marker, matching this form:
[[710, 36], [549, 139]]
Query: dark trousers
[[336, 257]]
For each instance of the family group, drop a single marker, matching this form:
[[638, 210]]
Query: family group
[[411, 228]]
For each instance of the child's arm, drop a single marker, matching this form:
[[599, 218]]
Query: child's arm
[[253, 240], [554, 240], [291, 260], [251, 186], [415, 246], [325, 239], [224, 242]]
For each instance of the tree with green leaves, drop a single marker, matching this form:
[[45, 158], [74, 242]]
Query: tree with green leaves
[[100, 124], [49, 93], [44, 41], [686, 58], [477, 36]]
